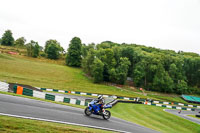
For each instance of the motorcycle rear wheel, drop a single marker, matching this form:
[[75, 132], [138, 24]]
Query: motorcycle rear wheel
[[107, 115], [87, 111]]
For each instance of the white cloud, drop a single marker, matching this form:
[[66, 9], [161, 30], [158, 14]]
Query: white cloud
[[168, 24]]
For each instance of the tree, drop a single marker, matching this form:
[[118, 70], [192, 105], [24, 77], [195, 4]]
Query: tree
[[88, 60], [20, 42], [139, 73], [33, 49], [36, 50], [97, 70], [162, 81], [119, 75], [52, 49], [73, 57], [182, 87], [7, 38], [85, 49], [107, 57]]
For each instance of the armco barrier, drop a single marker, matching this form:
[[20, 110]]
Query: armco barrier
[[29, 92]]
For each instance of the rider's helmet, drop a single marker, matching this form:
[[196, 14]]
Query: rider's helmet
[[100, 97]]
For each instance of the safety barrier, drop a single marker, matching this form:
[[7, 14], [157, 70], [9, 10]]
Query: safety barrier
[[171, 107], [164, 104], [75, 92], [4, 86], [176, 103], [33, 93], [29, 92]]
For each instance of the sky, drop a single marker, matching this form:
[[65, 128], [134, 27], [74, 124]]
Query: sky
[[165, 24]]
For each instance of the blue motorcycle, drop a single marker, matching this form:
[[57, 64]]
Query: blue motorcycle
[[98, 109]]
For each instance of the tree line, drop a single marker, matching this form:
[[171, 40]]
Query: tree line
[[151, 68], [52, 50]]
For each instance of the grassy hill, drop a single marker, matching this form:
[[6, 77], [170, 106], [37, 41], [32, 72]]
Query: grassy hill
[[50, 74], [42, 72]]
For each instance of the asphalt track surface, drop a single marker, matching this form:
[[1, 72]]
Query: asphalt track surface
[[19, 106], [184, 114]]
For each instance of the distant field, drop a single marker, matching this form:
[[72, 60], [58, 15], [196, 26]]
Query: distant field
[[154, 117], [19, 125]]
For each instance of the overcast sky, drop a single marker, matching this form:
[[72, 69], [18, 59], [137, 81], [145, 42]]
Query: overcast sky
[[165, 24]]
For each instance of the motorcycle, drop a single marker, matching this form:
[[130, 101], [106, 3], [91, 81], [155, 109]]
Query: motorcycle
[[98, 109]]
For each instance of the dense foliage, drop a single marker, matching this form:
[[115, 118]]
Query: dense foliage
[[33, 49], [151, 68], [20, 42], [148, 67], [7, 38], [73, 57], [53, 49]]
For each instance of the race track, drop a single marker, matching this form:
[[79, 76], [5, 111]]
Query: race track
[[13, 105], [184, 114]]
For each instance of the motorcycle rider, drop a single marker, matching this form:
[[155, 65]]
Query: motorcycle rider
[[100, 102]]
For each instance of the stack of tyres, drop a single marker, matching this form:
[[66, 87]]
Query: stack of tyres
[[27, 92]]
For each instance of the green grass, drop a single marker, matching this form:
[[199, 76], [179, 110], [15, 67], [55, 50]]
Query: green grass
[[148, 116], [47, 74], [154, 117], [169, 98], [54, 74], [19, 125], [194, 116]]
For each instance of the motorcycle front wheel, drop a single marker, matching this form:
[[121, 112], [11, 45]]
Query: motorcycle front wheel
[[87, 111], [106, 115]]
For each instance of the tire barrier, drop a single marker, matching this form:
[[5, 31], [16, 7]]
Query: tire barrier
[[75, 92], [33, 93], [171, 107], [134, 100], [176, 103], [4, 86], [129, 100]]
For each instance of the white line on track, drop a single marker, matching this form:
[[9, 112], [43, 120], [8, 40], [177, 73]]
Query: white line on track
[[62, 122]]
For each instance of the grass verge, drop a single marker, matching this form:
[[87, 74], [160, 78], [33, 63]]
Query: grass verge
[[194, 116], [20, 125], [154, 118]]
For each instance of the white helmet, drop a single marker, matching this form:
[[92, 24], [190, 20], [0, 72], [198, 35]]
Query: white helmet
[[100, 97]]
